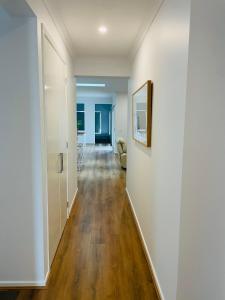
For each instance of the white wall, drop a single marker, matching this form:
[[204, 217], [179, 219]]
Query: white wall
[[202, 246], [21, 230], [102, 66], [121, 111], [154, 175], [89, 104]]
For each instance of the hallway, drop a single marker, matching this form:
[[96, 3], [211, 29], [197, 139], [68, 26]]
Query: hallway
[[146, 77], [100, 254]]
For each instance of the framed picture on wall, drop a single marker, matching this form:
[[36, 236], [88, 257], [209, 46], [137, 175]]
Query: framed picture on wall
[[142, 114]]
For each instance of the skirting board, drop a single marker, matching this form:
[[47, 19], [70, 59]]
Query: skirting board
[[5, 285], [71, 206], [147, 254], [14, 284]]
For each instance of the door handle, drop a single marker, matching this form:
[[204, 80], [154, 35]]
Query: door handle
[[61, 162]]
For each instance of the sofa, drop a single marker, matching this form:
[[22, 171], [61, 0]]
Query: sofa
[[122, 152]]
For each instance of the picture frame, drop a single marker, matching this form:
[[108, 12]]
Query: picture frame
[[142, 114]]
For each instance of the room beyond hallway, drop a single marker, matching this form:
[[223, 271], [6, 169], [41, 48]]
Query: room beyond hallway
[[101, 110], [100, 254]]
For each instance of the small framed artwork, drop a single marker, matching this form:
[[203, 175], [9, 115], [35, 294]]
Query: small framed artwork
[[142, 114]]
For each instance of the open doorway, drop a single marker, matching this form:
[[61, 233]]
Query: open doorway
[[103, 124], [102, 105]]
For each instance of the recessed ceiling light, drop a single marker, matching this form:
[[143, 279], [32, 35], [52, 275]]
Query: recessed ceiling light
[[103, 29], [91, 84]]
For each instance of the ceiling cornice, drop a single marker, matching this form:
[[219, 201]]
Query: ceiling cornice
[[142, 34], [61, 28]]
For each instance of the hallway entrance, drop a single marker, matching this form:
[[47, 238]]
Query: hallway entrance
[[100, 254]]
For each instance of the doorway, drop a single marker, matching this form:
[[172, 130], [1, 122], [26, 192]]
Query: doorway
[[103, 124], [102, 106]]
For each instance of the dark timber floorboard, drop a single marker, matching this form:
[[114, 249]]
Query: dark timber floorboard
[[100, 254]]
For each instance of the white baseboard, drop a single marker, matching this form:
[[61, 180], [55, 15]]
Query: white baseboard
[[148, 257], [46, 277], [75, 195], [13, 284]]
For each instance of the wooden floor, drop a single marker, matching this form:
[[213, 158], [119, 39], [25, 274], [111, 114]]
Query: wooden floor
[[100, 255]]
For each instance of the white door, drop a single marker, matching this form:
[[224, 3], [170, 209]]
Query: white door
[[63, 152], [55, 127]]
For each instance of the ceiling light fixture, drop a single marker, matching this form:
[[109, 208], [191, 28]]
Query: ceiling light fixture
[[91, 84], [103, 29]]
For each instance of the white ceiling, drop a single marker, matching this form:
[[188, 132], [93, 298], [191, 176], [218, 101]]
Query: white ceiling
[[126, 20], [113, 85]]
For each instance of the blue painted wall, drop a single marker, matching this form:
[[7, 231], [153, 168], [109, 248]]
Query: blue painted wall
[[104, 109]]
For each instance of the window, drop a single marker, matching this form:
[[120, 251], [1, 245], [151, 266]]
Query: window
[[80, 117], [98, 121]]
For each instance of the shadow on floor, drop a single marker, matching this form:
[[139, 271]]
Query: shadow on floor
[[9, 295]]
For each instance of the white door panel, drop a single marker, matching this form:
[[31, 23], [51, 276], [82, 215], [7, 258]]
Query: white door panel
[[55, 126], [63, 149]]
